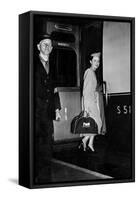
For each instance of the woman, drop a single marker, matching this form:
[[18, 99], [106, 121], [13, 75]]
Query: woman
[[90, 100]]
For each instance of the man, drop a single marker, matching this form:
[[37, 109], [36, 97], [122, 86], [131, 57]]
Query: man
[[47, 108]]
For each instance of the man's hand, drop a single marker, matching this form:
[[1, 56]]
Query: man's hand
[[58, 116]]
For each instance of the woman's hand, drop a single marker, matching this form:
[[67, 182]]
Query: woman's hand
[[85, 113], [99, 88], [58, 116]]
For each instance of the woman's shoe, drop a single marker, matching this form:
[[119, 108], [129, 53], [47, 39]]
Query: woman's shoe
[[82, 147], [90, 148]]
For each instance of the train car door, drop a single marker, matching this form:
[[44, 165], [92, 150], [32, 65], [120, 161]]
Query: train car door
[[88, 40], [91, 41]]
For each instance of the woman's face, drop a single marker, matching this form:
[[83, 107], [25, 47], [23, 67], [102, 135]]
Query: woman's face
[[95, 62]]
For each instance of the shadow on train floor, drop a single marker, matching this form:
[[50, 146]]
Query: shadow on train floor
[[113, 164]]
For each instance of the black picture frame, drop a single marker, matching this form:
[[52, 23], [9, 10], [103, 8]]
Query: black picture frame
[[27, 30]]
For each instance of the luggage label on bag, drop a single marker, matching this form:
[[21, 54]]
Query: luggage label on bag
[[86, 125]]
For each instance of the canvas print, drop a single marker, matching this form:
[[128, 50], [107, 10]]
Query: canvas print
[[82, 100]]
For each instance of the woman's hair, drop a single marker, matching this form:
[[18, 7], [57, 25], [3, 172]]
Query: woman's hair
[[97, 54]]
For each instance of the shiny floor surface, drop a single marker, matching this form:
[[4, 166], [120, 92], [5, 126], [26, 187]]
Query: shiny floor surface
[[112, 164], [62, 172]]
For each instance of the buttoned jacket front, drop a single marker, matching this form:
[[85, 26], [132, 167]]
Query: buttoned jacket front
[[46, 99]]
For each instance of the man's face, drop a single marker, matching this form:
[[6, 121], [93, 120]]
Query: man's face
[[45, 46], [95, 62]]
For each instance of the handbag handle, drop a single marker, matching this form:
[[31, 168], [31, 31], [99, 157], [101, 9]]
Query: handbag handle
[[83, 109], [87, 114]]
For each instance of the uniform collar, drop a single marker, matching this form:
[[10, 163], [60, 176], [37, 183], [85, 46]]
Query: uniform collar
[[45, 63]]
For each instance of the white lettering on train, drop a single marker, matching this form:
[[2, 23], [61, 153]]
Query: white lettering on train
[[123, 109]]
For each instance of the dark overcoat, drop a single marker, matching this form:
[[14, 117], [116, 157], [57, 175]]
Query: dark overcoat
[[46, 101]]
